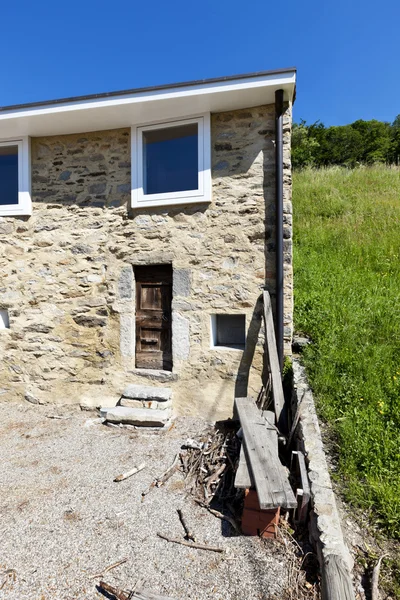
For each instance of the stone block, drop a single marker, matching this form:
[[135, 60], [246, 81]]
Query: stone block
[[180, 337], [146, 392], [151, 404], [141, 417], [96, 402], [127, 335], [156, 375], [181, 282], [125, 283]]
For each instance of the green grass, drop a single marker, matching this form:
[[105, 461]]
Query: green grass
[[347, 298]]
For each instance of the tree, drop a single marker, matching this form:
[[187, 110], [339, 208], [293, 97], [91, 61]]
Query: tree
[[304, 146], [395, 141]]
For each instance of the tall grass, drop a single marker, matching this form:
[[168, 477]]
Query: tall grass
[[347, 298]]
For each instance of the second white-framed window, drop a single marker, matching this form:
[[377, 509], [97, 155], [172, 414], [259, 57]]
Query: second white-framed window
[[171, 162], [15, 177]]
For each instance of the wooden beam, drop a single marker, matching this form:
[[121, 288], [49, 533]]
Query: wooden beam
[[259, 443], [336, 579], [277, 389]]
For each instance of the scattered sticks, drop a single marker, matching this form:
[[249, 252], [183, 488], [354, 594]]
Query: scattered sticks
[[168, 473], [188, 534], [113, 566], [159, 481], [132, 595], [220, 515], [190, 544], [60, 417], [130, 473]]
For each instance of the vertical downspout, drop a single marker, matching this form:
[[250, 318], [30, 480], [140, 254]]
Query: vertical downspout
[[279, 222]]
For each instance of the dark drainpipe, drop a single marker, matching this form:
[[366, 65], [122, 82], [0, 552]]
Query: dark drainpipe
[[279, 222]]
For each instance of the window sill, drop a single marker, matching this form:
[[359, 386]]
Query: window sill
[[238, 348], [22, 212], [170, 202]]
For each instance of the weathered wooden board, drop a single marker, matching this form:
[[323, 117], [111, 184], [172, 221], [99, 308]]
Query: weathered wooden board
[[276, 377], [299, 464], [244, 479], [336, 579], [259, 443]]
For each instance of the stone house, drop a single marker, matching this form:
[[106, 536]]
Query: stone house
[[138, 229]]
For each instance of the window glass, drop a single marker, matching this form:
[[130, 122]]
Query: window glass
[[8, 175], [170, 159], [231, 330]]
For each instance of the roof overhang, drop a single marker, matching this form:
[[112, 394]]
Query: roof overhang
[[145, 105]]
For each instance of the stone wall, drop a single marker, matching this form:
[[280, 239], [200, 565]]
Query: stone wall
[[67, 272]]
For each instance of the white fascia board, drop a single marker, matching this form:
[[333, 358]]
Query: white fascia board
[[126, 110]]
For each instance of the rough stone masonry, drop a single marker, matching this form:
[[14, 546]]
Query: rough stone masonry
[[67, 273]]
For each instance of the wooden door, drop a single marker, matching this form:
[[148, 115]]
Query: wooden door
[[153, 317]]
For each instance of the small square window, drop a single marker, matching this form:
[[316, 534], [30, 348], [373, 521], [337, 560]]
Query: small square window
[[15, 193], [228, 331], [171, 163]]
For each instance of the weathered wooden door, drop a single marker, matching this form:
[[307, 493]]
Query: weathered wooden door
[[153, 317]]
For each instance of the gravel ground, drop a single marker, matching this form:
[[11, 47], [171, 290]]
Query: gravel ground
[[63, 519]]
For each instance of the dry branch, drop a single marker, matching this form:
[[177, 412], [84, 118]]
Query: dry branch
[[159, 481], [190, 544], [113, 566], [375, 579], [134, 594], [220, 515], [130, 473], [168, 473], [188, 534], [119, 594]]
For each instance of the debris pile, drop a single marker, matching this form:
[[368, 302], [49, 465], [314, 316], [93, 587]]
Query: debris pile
[[209, 463]]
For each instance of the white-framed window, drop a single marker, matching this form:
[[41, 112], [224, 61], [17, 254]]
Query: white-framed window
[[15, 177], [228, 332], [171, 162]]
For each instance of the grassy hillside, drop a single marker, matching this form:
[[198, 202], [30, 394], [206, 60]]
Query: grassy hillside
[[347, 298]]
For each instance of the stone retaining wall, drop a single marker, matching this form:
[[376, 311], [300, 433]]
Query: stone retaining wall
[[67, 272]]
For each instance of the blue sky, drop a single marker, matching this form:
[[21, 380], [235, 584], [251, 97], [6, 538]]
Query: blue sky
[[346, 52]]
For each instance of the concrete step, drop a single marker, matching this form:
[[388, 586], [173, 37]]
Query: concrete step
[[151, 404], [142, 417], [147, 392]]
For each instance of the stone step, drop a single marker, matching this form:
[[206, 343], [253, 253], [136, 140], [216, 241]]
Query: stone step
[[151, 404], [147, 392], [142, 417], [156, 375]]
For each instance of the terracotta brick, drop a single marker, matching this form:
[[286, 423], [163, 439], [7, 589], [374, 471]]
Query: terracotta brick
[[256, 521]]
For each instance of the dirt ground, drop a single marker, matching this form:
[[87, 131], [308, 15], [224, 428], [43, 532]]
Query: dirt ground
[[63, 520]]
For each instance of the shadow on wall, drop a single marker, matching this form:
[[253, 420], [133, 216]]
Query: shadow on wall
[[253, 333]]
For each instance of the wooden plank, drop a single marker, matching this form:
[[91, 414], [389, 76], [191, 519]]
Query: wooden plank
[[244, 479], [299, 464], [277, 389], [336, 579], [259, 443]]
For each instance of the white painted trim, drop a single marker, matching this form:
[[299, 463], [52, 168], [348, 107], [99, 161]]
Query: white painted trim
[[245, 83], [24, 206], [139, 107], [202, 194]]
